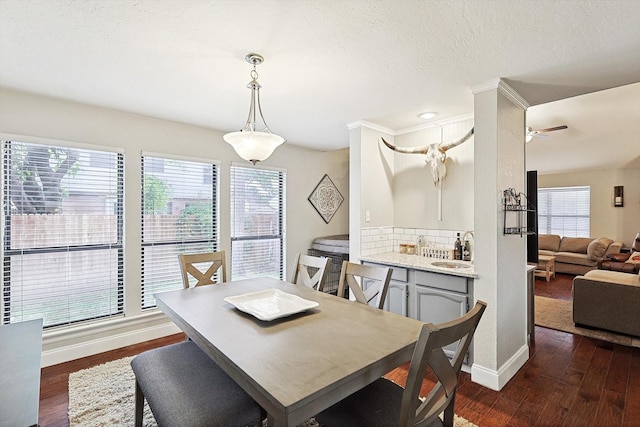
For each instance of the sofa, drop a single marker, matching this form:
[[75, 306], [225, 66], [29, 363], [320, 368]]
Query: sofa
[[576, 255], [624, 262], [607, 300]]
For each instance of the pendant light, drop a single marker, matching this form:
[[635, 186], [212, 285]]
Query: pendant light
[[250, 143]]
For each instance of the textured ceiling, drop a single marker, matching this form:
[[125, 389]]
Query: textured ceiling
[[327, 63]]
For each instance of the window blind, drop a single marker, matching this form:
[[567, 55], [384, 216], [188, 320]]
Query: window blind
[[564, 211], [179, 215], [257, 223], [62, 244]]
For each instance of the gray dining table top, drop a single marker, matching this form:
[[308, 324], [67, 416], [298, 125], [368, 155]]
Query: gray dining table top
[[294, 366]]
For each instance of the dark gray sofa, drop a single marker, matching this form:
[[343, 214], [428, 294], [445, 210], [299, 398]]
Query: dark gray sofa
[[608, 300]]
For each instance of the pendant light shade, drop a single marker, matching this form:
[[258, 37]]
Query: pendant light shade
[[253, 146], [250, 143]]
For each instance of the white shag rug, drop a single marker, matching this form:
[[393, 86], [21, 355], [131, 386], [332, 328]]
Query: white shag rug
[[104, 396]]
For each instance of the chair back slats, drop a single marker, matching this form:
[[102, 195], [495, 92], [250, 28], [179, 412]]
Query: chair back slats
[[306, 263], [429, 352], [353, 277], [202, 267]]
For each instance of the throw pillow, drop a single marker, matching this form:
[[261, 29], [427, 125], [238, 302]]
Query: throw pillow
[[634, 258], [598, 247]]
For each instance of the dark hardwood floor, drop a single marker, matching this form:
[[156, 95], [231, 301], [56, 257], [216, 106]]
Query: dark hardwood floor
[[569, 380]]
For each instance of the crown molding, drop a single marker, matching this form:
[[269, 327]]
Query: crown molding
[[504, 88], [372, 126], [437, 123]]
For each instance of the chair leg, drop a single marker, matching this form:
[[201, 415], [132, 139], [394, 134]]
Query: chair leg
[[447, 420], [139, 406]]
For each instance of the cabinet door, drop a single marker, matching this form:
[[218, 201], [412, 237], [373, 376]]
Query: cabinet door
[[439, 306], [397, 295], [396, 298]]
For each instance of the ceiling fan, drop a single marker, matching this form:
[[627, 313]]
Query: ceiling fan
[[539, 133]]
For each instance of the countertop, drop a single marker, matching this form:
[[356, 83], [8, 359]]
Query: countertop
[[420, 263]]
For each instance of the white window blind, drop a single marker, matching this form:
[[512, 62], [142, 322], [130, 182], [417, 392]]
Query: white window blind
[[257, 223], [179, 215], [564, 211], [62, 245]]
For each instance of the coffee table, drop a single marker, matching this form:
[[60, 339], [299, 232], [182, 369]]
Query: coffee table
[[546, 267]]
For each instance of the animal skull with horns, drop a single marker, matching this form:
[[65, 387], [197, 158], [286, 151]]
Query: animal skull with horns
[[436, 155]]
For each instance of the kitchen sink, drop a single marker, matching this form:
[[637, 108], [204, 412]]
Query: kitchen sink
[[449, 264]]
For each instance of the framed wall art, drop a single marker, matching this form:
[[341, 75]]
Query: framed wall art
[[326, 198]]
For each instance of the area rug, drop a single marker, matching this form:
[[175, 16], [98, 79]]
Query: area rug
[[558, 314], [105, 396]]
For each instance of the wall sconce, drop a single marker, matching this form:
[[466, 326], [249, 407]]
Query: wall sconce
[[618, 196]]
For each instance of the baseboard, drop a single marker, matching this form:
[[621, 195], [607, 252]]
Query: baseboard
[[495, 380], [75, 345]]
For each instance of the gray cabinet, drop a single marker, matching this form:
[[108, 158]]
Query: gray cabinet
[[429, 297], [398, 293], [397, 298], [441, 298], [438, 306]]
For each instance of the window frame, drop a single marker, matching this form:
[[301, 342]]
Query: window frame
[[280, 237], [118, 244], [545, 221], [183, 244]]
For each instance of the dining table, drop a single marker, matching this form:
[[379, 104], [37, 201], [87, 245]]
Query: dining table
[[293, 364]]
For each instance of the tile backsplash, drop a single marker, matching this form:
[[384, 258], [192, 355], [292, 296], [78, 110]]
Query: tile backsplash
[[376, 240]]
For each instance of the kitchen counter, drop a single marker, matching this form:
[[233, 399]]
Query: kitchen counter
[[421, 263]]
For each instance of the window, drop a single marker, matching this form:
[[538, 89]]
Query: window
[[257, 223], [564, 211], [179, 215], [62, 243]]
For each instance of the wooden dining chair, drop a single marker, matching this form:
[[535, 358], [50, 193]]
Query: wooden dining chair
[[384, 403], [307, 264], [202, 267], [369, 284], [184, 387]]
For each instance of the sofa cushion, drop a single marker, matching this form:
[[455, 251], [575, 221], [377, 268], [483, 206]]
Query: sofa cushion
[[597, 248], [574, 258], [614, 277], [614, 248], [546, 253], [549, 242], [575, 244]]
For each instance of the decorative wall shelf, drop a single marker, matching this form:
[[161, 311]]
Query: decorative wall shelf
[[515, 207]]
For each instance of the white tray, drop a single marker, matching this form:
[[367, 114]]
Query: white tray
[[270, 304]]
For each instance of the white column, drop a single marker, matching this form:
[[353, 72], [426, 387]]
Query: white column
[[500, 343]]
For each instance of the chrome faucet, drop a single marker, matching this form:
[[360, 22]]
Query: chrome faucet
[[471, 248]]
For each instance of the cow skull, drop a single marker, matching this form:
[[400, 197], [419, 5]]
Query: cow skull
[[436, 155]]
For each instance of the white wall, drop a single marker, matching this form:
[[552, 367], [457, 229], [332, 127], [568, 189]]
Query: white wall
[[377, 171], [397, 189], [620, 224], [31, 117], [415, 195]]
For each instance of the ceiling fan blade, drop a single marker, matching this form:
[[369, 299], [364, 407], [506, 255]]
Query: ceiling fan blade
[[551, 129]]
